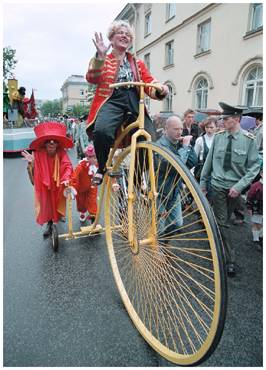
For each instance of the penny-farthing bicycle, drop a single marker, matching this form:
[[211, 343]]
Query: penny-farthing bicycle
[[171, 279]]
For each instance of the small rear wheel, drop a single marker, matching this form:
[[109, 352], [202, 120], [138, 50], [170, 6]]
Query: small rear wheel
[[54, 237]]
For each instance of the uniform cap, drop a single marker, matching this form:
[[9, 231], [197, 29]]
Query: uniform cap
[[230, 111]]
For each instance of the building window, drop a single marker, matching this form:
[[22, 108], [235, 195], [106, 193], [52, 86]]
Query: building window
[[147, 29], [253, 88], [82, 92], [170, 11], [256, 17], [201, 94], [147, 60], [204, 33], [169, 53], [168, 101]]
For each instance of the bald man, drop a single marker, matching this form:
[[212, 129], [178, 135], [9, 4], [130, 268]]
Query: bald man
[[169, 197]]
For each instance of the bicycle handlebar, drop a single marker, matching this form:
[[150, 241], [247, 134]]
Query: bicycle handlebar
[[131, 83]]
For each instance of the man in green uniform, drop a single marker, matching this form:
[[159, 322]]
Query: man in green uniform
[[233, 163]]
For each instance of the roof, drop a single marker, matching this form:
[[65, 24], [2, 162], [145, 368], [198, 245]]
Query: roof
[[74, 80]]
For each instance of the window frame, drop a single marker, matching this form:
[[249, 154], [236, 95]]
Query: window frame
[[147, 56], [257, 84], [168, 101], [167, 60], [199, 48], [147, 31], [251, 19], [168, 15], [202, 90]]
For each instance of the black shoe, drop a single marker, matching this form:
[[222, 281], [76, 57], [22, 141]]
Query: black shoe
[[98, 177], [231, 269], [258, 245], [48, 231]]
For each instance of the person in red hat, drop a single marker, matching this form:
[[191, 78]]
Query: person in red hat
[[49, 169], [81, 181]]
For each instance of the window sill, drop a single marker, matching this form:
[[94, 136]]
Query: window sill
[[168, 66], [169, 19], [253, 33], [201, 54]]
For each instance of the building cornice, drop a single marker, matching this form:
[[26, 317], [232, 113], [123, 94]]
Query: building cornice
[[128, 10], [179, 26], [66, 84]]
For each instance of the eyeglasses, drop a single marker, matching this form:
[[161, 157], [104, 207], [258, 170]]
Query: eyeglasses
[[123, 33], [51, 142]]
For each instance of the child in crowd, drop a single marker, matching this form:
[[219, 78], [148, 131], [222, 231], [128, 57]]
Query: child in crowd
[[255, 207], [81, 181]]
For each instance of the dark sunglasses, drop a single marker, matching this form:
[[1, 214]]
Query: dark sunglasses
[[51, 142]]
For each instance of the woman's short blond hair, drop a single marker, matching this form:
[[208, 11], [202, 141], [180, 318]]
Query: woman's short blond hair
[[116, 25]]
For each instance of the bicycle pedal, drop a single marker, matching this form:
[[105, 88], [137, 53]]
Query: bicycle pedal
[[115, 174]]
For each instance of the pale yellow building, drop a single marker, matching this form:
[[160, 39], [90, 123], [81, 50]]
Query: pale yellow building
[[205, 53], [74, 92]]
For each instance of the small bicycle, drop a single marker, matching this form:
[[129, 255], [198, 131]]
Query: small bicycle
[[171, 279]]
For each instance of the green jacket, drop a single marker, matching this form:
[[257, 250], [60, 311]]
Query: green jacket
[[244, 161]]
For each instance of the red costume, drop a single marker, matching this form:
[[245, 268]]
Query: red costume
[[50, 171], [104, 72], [86, 194]]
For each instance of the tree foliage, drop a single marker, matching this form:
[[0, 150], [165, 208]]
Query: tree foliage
[[79, 110], [51, 108], [9, 62], [90, 94]]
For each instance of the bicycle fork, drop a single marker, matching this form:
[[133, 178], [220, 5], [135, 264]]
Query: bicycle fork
[[152, 196]]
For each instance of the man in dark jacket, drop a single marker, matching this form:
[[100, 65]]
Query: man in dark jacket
[[190, 127], [169, 195]]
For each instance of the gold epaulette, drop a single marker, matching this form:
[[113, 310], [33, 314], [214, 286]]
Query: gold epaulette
[[249, 135], [220, 132]]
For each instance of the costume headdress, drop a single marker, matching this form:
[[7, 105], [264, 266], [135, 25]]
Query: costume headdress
[[50, 131], [89, 151]]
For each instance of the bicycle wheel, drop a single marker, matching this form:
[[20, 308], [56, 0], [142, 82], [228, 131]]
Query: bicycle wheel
[[54, 238], [173, 284]]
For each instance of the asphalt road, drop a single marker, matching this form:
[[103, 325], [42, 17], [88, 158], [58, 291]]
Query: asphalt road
[[64, 309]]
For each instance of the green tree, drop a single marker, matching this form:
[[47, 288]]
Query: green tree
[[79, 110], [90, 94], [52, 108], [9, 62]]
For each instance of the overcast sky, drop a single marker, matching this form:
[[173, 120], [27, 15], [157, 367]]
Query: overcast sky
[[54, 41]]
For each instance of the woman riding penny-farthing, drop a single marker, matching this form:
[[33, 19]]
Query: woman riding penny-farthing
[[171, 282]]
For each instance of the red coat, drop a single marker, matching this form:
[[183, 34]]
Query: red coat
[[104, 72], [49, 173], [86, 194]]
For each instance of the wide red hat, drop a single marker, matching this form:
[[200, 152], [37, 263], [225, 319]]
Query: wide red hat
[[50, 131]]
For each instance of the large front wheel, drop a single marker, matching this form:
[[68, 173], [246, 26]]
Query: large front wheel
[[171, 279]]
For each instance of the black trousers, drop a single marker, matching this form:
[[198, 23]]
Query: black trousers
[[111, 116]]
